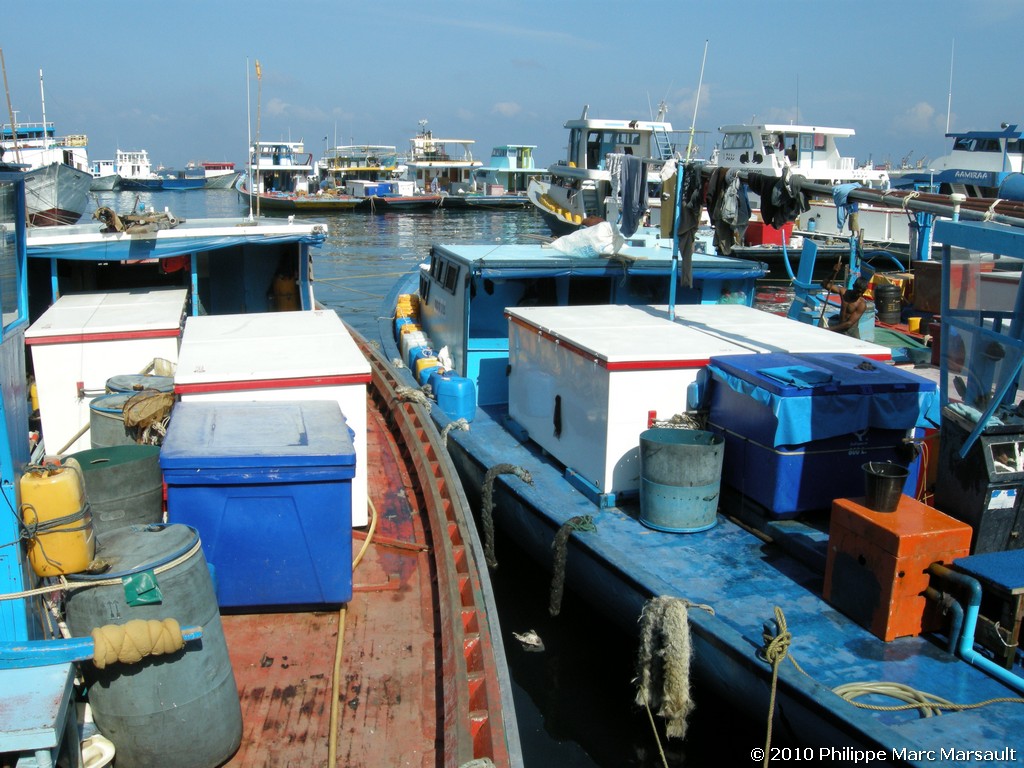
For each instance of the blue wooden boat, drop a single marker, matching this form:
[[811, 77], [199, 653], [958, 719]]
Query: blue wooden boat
[[551, 374], [244, 287]]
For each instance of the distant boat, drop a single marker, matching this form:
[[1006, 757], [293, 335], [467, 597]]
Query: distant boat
[[57, 174], [136, 171], [280, 178], [220, 175], [357, 162], [104, 176], [500, 185], [181, 179], [435, 167]]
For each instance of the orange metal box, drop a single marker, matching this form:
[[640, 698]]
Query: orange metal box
[[876, 569]]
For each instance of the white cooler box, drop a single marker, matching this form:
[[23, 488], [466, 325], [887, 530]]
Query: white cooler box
[[83, 339], [280, 356]]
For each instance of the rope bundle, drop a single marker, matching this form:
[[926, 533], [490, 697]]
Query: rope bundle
[[663, 663], [130, 643]]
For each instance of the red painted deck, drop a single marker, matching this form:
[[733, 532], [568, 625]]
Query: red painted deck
[[406, 696]]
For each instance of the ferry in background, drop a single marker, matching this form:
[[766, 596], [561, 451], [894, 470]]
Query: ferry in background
[[136, 171], [977, 165]]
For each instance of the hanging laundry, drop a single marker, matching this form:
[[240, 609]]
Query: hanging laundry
[[840, 196], [634, 194], [691, 200]]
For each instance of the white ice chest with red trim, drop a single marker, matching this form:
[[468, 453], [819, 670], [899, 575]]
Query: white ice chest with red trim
[[306, 355], [83, 339], [584, 379]]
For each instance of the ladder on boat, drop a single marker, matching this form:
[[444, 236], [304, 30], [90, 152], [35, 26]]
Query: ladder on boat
[[591, 203], [662, 144]]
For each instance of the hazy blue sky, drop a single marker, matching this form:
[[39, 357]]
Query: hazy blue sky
[[171, 77]]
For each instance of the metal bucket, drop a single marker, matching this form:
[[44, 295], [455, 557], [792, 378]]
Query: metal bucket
[[180, 710], [883, 485], [124, 486], [106, 420], [680, 479]]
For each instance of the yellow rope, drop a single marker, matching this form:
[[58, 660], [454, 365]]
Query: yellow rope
[[332, 744], [131, 642], [775, 650]]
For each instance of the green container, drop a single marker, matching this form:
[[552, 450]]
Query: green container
[[124, 486], [680, 479], [180, 710]]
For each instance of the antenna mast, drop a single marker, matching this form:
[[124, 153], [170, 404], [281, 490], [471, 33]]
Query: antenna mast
[[10, 111], [949, 98], [696, 103]]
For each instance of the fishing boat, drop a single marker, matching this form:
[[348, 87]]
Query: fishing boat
[[580, 185], [565, 399], [280, 178], [57, 171], [136, 170], [350, 629], [104, 176], [357, 162], [439, 165]]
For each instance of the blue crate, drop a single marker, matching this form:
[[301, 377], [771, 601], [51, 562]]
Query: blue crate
[[268, 485]]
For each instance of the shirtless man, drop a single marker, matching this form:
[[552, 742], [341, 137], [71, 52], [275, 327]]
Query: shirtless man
[[851, 309]]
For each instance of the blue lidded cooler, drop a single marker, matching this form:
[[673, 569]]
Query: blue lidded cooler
[[799, 427], [268, 485]]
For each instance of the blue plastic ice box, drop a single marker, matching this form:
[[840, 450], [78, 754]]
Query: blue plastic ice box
[[799, 427], [268, 485]]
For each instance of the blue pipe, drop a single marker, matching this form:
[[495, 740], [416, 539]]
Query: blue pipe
[[966, 646], [948, 603]]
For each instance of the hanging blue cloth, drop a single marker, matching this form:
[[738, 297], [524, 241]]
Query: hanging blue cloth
[[634, 194], [843, 208]]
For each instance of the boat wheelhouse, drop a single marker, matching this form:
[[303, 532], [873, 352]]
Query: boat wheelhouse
[[581, 184], [977, 165], [440, 165]]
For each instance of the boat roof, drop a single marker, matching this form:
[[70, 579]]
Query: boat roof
[[531, 260], [785, 128], [1009, 132], [88, 242]]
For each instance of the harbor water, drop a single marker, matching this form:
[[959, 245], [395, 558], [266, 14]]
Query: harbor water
[[574, 698]]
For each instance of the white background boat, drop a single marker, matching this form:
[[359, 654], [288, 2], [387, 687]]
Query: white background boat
[[57, 173]]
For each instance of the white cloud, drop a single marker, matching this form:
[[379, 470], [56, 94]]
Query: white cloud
[[920, 118], [506, 108]]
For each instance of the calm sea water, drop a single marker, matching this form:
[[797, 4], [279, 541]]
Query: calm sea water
[[574, 700]]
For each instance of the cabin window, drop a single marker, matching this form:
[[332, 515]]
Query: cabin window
[[989, 145], [9, 262], [451, 278], [737, 141], [1013, 146]]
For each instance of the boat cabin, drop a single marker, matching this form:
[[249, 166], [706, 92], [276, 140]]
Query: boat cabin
[[509, 171], [591, 140], [366, 162], [809, 150], [465, 289], [436, 167], [282, 167]]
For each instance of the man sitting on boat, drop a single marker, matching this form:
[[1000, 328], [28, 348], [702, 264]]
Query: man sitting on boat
[[851, 307]]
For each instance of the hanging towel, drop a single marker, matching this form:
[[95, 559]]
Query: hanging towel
[[634, 194], [840, 195]]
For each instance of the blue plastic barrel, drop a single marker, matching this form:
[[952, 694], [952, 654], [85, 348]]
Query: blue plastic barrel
[[455, 394], [177, 711], [1012, 187], [680, 479]]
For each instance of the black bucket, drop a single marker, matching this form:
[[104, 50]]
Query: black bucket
[[180, 710], [883, 485], [888, 303], [124, 486]]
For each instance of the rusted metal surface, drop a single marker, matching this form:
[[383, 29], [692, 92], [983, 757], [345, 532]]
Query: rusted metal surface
[[420, 677]]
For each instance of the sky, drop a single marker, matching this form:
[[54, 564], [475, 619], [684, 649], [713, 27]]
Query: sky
[[177, 77]]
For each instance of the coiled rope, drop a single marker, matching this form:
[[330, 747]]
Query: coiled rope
[[487, 504], [412, 395], [131, 642], [32, 530], [776, 648], [560, 544]]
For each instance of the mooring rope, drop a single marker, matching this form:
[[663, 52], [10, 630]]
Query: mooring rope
[[663, 663], [131, 642], [487, 504], [560, 544], [457, 424], [412, 395]]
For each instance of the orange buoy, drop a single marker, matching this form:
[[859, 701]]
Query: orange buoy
[[58, 520]]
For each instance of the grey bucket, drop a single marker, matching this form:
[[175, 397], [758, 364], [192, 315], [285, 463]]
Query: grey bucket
[[883, 485], [124, 486], [680, 479], [106, 420], [176, 711]]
